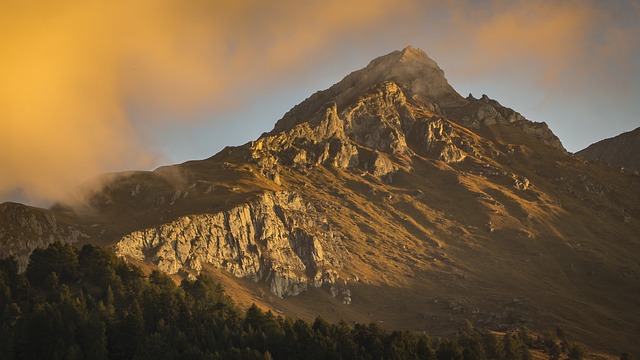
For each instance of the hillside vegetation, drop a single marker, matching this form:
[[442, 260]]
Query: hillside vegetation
[[88, 304]]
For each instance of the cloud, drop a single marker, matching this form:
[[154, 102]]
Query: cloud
[[568, 44], [570, 63], [73, 71], [83, 81]]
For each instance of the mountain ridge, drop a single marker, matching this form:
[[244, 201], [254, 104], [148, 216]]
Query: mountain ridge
[[621, 150], [388, 202]]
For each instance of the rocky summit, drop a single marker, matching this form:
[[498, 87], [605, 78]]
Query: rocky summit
[[387, 198]]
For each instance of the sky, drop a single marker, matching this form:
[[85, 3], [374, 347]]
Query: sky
[[90, 86]]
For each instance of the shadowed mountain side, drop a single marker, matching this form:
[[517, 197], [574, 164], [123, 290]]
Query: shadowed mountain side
[[620, 151]]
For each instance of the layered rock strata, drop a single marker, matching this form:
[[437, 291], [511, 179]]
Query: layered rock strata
[[278, 238]]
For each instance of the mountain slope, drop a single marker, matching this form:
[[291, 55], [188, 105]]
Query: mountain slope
[[620, 151], [390, 198]]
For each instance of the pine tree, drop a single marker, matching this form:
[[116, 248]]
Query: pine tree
[[576, 351]]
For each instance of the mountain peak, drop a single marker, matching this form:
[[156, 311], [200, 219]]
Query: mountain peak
[[410, 68], [416, 58], [412, 54], [412, 50]]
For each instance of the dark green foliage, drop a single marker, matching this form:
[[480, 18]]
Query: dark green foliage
[[576, 351], [92, 305], [473, 344], [515, 348], [551, 346], [626, 356], [57, 258], [447, 350], [494, 346], [99, 266]]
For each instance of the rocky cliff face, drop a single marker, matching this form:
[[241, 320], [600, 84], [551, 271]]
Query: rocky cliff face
[[378, 134], [25, 229], [278, 238], [619, 151], [487, 112]]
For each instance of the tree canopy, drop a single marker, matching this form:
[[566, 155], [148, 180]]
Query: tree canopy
[[90, 304]]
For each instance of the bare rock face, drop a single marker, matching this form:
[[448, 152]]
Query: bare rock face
[[435, 137], [378, 120], [383, 167], [487, 112], [26, 229], [541, 131], [277, 238], [369, 134], [312, 143]]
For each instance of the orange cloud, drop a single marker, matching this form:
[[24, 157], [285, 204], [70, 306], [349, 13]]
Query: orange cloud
[[551, 32], [71, 70], [566, 43]]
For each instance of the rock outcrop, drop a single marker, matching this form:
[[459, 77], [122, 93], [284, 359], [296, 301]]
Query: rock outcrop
[[541, 131], [277, 238], [487, 112], [370, 134], [26, 229]]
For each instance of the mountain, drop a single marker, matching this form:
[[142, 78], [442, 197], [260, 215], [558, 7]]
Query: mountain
[[386, 198], [620, 151]]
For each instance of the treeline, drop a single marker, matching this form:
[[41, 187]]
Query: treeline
[[89, 304]]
